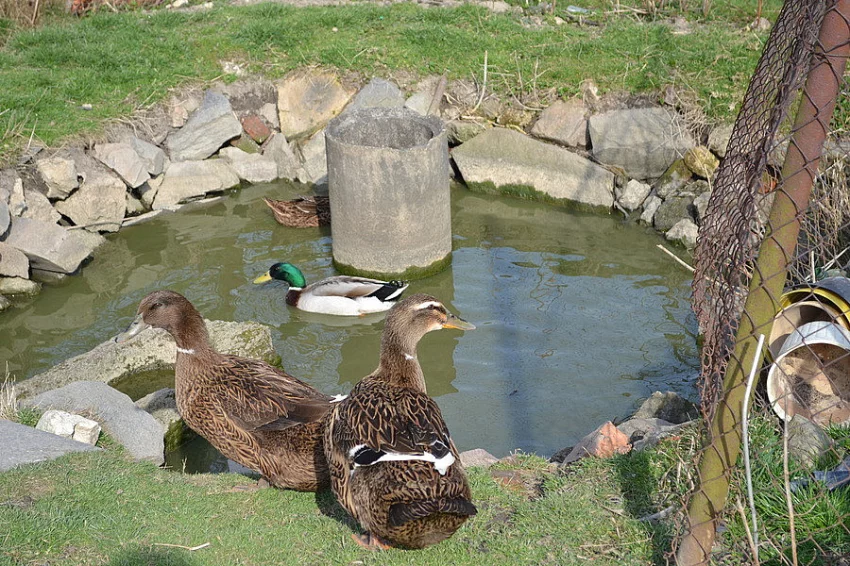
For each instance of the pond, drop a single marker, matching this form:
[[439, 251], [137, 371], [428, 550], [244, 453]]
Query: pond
[[579, 316]]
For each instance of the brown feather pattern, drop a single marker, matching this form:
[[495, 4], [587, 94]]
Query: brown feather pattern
[[302, 212]]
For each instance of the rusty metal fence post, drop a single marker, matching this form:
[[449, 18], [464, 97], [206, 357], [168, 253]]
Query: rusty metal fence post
[[775, 255]]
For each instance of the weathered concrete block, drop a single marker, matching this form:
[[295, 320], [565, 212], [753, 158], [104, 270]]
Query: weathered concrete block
[[388, 169], [207, 129], [506, 158]]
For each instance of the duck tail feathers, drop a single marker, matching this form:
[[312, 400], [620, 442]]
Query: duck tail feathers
[[390, 291]]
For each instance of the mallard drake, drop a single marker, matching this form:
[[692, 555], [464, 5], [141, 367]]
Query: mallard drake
[[393, 464], [340, 294], [302, 212], [253, 413]]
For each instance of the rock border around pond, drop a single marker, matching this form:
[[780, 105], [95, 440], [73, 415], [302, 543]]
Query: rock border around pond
[[586, 152]]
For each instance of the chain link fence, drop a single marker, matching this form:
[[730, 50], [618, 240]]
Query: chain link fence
[[771, 260]]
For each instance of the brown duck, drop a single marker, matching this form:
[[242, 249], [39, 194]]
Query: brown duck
[[393, 464], [302, 212], [253, 413]]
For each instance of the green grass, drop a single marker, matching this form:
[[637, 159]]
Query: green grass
[[102, 509], [120, 62]]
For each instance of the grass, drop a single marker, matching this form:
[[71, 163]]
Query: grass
[[120, 62], [104, 509]]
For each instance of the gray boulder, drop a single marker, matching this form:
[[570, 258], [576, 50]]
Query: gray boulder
[[288, 165], [99, 204], [477, 457], [5, 303], [18, 286], [564, 123], [718, 139], [13, 262], [379, 93], [186, 180], [505, 158], [208, 128], [249, 96], [268, 112], [135, 429], [669, 406], [674, 178], [701, 205], [151, 350], [420, 101], [26, 445], [671, 211], [5, 217], [650, 207], [152, 156], [461, 131], [685, 232], [307, 100], [38, 207], [643, 141], [48, 246], [12, 192], [60, 176], [251, 167], [133, 207], [632, 195], [315, 159], [123, 159], [647, 432], [807, 441], [162, 405], [147, 192]]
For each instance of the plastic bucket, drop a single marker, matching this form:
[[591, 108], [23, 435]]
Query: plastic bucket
[[794, 316], [811, 374], [833, 291]]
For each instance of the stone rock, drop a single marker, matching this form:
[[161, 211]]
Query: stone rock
[[4, 303], [251, 167], [701, 205], [650, 207], [153, 156], [135, 429], [807, 441], [134, 207], [643, 141], [461, 131], [68, 425], [255, 128], [268, 112], [671, 211], [151, 350], [477, 457], [49, 246], [288, 165], [306, 100], [564, 123], [245, 143], [674, 178], [603, 442], [646, 433], [701, 161], [315, 159], [685, 231], [162, 405], [12, 192], [5, 217], [378, 93], [179, 107], [18, 286], [26, 445], [420, 100], [248, 96], [38, 207], [633, 194], [208, 128], [13, 262], [99, 203], [123, 159], [142, 218], [669, 406], [718, 139], [502, 157], [190, 179], [60, 176], [147, 192]]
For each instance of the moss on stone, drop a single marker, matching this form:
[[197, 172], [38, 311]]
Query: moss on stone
[[408, 274], [178, 433], [528, 192]]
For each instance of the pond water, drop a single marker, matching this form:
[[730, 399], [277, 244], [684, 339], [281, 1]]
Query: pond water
[[579, 316]]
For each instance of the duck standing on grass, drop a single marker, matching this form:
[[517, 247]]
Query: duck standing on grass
[[253, 413], [392, 462], [342, 294]]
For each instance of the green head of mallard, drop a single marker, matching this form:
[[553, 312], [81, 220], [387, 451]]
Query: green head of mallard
[[284, 272]]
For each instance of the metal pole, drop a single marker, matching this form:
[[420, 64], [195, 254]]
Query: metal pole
[[820, 94]]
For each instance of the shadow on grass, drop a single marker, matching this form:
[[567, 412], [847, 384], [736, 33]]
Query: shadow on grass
[[151, 556], [330, 507], [639, 488]]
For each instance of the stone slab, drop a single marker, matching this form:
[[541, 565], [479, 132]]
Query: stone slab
[[207, 129], [26, 445], [307, 100], [99, 204], [13, 262], [60, 176], [191, 179], [49, 246]]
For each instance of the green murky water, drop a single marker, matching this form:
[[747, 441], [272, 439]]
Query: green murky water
[[579, 316]]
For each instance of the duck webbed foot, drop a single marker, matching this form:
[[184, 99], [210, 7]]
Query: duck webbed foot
[[371, 542]]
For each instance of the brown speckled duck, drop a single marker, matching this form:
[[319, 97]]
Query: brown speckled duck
[[302, 212], [253, 413], [393, 464]]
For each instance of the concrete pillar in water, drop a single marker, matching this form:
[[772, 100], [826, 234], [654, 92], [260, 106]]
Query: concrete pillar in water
[[388, 178]]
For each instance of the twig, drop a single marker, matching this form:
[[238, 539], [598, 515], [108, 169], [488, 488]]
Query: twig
[[434, 107], [663, 514], [753, 548], [786, 481], [745, 409], [34, 17], [483, 85], [191, 548], [674, 256]]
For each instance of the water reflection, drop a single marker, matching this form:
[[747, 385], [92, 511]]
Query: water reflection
[[578, 316]]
